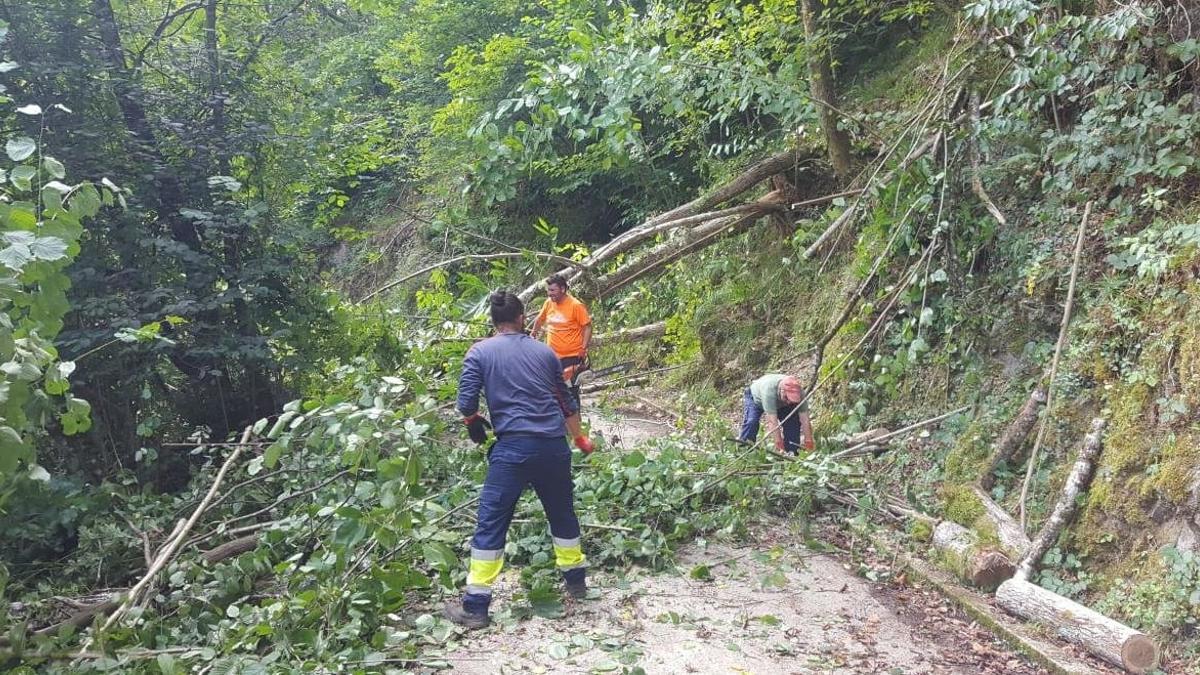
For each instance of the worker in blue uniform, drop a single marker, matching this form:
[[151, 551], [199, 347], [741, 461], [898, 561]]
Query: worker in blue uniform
[[532, 412]]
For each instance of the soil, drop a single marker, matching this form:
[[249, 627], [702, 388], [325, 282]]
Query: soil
[[765, 605]]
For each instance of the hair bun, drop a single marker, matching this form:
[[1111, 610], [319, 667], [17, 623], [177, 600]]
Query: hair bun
[[497, 299]]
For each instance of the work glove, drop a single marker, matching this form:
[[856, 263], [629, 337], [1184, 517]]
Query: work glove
[[810, 443], [780, 444], [477, 428], [584, 444]]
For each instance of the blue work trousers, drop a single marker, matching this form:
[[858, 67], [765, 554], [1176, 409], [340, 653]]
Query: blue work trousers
[[752, 415], [515, 463]]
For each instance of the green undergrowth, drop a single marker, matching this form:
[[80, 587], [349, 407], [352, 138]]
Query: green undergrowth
[[363, 495]]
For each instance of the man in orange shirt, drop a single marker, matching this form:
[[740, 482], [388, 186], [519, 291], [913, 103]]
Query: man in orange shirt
[[569, 327]]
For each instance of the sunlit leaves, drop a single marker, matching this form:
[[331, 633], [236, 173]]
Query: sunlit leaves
[[20, 148]]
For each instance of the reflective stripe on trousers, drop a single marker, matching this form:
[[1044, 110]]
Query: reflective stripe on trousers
[[517, 462]]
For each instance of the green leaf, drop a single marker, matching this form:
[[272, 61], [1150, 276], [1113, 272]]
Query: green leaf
[[439, 556], [56, 383], [15, 257], [54, 167], [49, 248], [77, 419], [12, 450], [701, 573], [22, 177], [19, 149], [272, 454]]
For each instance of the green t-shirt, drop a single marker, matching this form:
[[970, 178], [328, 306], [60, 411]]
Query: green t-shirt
[[765, 391]]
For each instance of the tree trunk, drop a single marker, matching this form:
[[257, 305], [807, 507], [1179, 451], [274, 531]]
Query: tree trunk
[[1114, 642], [960, 549], [824, 92], [647, 332], [231, 549], [1013, 436], [1013, 541], [167, 197], [1076, 484], [746, 180], [668, 252], [216, 100]]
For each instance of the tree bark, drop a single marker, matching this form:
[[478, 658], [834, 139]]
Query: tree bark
[[746, 180], [1076, 484], [668, 252], [1014, 435], [647, 332], [984, 568], [1101, 636], [231, 549], [1013, 541], [823, 90], [846, 216]]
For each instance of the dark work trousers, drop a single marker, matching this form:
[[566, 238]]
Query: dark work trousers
[[567, 362], [752, 415], [515, 463]]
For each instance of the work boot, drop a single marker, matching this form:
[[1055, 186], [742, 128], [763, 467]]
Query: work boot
[[577, 590], [454, 611]]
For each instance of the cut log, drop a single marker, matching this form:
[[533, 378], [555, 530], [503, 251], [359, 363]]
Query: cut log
[[1013, 436], [1101, 636], [647, 332], [231, 549], [959, 548], [1013, 541], [1076, 484]]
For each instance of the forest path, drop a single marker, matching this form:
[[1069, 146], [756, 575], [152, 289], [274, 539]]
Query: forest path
[[769, 604]]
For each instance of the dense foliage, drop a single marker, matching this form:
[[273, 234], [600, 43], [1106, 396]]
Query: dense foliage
[[194, 194]]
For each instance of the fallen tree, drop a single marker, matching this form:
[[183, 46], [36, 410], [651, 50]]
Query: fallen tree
[[691, 213], [1068, 502], [1014, 435], [1101, 636], [647, 332]]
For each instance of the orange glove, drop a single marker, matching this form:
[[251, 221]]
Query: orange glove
[[780, 445], [584, 444], [809, 443]]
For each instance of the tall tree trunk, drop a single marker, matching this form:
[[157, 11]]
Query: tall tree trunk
[[168, 194], [216, 100], [824, 92]]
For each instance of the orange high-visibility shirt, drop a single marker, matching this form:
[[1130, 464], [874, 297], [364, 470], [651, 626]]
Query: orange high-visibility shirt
[[564, 322]]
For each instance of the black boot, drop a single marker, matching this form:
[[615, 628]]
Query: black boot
[[454, 611], [577, 590]]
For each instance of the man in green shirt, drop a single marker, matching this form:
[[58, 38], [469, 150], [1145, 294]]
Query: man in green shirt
[[779, 398]]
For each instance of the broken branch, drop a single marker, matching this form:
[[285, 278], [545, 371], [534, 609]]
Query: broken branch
[[1058, 347]]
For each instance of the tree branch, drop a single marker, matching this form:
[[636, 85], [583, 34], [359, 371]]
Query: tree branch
[[469, 256], [1062, 340]]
